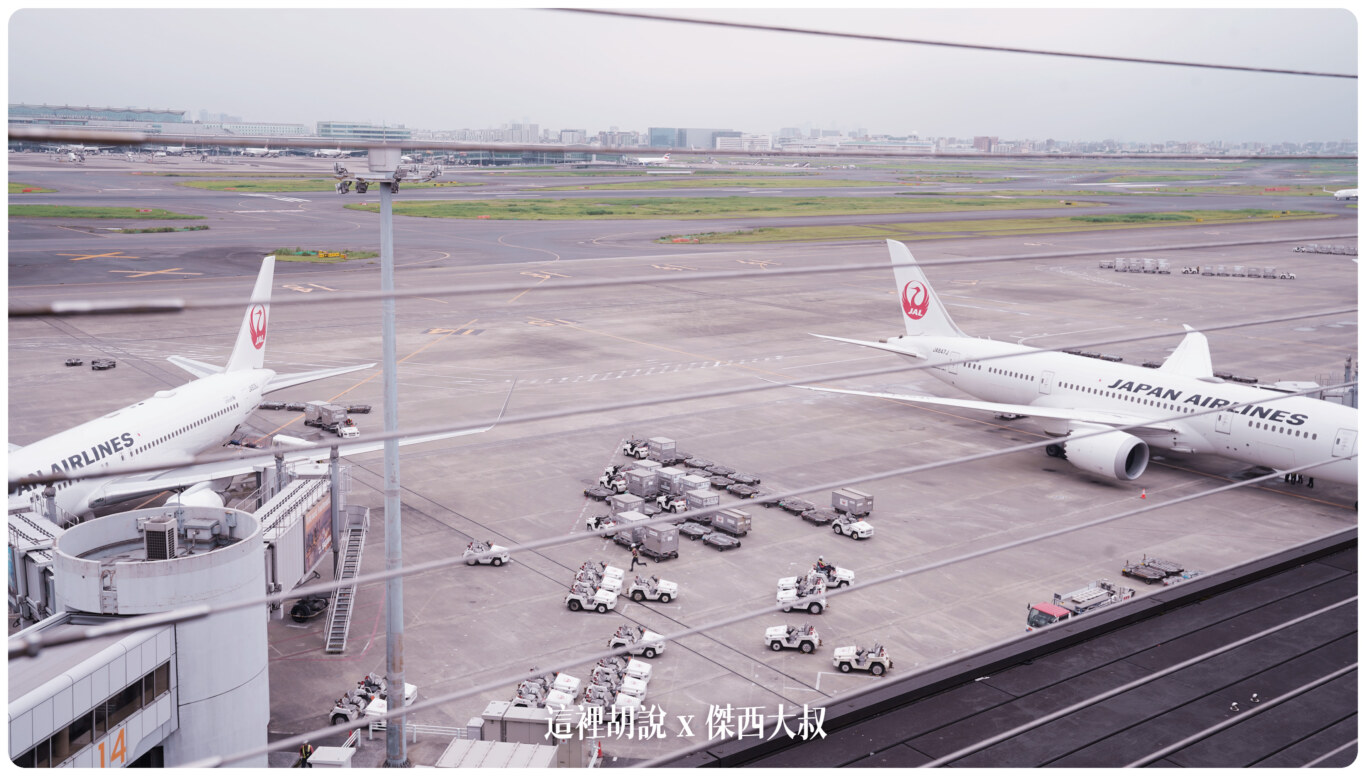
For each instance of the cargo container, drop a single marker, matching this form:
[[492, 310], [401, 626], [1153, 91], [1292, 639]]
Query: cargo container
[[733, 521], [661, 448], [850, 501], [631, 531], [693, 482], [702, 498], [642, 482], [659, 541], [669, 480], [625, 502]]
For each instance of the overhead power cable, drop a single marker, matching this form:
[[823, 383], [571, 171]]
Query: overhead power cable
[[175, 304], [946, 44], [764, 385]]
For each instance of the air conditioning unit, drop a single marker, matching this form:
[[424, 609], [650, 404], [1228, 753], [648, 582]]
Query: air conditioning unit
[[159, 537]]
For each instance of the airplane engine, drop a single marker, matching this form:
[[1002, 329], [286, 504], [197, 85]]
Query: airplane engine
[[201, 495], [1116, 455]]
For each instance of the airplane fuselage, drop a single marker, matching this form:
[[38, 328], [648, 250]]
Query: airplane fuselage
[[1283, 433], [167, 429]]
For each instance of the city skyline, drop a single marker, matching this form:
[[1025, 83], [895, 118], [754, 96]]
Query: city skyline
[[453, 69]]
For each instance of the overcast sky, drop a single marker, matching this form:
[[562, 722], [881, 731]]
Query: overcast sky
[[454, 69]]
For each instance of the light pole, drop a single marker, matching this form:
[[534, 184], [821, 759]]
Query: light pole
[[385, 170]]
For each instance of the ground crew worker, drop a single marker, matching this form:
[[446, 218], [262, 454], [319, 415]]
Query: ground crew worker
[[635, 557], [305, 752]]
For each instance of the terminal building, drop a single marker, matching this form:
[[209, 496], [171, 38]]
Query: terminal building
[[179, 692]]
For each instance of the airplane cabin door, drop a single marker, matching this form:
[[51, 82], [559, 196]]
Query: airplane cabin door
[[1345, 442], [1223, 422], [1046, 383]]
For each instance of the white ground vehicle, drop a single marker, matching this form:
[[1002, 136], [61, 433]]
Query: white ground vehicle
[[834, 575], [809, 594], [804, 638], [654, 589], [369, 698], [670, 503], [873, 660], [636, 448], [497, 554], [848, 525], [582, 596], [613, 482], [640, 641]]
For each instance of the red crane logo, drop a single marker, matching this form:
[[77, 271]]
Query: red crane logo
[[257, 327], [915, 300]]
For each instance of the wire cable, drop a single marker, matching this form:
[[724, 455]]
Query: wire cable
[[1326, 755], [945, 44], [172, 304], [1078, 706], [1231, 721]]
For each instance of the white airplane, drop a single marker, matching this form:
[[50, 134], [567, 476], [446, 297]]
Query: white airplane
[[1344, 194], [172, 426], [332, 153], [267, 151], [648, 160], [1071, 394]]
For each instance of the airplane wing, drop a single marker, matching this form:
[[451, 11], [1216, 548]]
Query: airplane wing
[[900, 349], [279, 382], [1100, 417], [134, 485], [196, 368], [144, 483]]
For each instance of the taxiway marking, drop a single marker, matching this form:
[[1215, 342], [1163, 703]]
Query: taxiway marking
[[84, 256], [142, 273]]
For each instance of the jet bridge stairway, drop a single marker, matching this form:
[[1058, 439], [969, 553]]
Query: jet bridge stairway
[[339, 619]]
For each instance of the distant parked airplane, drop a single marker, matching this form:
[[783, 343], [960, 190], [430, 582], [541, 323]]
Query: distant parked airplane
[[647, 160], [332, 153], [1344, 194]]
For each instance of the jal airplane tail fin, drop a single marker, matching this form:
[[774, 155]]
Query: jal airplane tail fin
[[250, 350], [921, 310]]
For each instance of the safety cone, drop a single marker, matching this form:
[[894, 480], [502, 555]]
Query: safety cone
[[1144, 494], [599, 751]]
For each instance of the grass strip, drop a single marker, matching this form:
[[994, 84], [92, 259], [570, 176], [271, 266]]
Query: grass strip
[[696, 207], [936, 230], [307, 256], [63, 211]]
